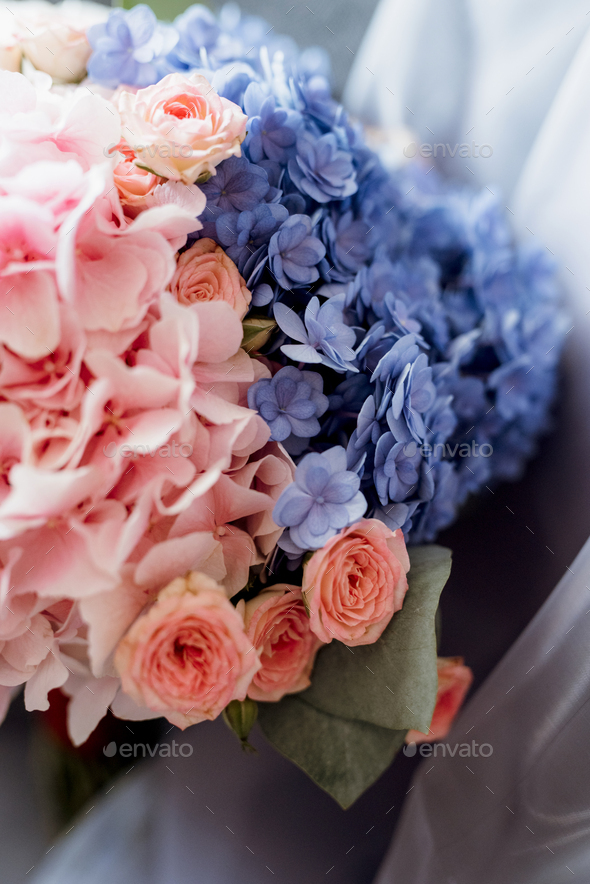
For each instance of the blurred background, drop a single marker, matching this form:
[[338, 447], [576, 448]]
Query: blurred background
[[45, 782]]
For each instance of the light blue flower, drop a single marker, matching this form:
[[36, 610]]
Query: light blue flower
[[397, 466], [323, 499], [271, 130], [349, 242], [324, 337], [294, 253], [243, 234], [238, 185], [321, 170], [198, 30], [290, 402], [130, 48], [414, 394]]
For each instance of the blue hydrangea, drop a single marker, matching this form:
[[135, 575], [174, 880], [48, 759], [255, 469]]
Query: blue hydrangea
[[295, 253], [414, 394], [323, 499], [198, 31], [349, 245], [324, 337], [397, 466], [271, 130], [238, 186], [320, 169], [244, 234], [130, 47], [290, 402]]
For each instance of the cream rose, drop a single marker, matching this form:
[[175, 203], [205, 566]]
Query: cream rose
[[181, 128], [277, 624], [53, 36], [205, 273], [356, 582], [189, 655]]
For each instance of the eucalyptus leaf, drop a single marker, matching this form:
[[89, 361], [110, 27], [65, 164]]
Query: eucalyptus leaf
[[342, 756], [393, 682]]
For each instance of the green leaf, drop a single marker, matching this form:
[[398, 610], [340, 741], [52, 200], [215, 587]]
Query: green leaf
[[344, 757], [391, 683], [257, 331]]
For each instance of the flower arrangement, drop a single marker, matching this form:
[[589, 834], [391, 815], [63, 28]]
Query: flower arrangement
[[241, 367]]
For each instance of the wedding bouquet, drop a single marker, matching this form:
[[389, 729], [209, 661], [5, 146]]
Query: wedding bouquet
[[241, 367]]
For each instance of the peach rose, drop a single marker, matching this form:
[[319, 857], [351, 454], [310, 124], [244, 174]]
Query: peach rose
[[277, 624], [133, 183], [181, 128], [356, 583], [189, 655], [205, 273], [454, 680]]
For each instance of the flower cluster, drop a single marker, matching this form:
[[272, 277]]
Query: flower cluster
[[205, 272], [128, 453]]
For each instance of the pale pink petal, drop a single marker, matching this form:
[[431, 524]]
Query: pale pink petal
[[90, 699], [51, 673], [109, 615], [30, 315], [176, 556], [127, 709], [239, 554], [38, 495]]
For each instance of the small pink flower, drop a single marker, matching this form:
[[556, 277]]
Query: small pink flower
[[278, 626], [133, 183], [355, 584], [454, 680], [181, 128], [205, 273], [188, 656]]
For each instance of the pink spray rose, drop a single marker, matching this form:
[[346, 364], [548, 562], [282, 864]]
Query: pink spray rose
[[278, 626], [181, 128], [188, 656], [454, 680], [356, 583], [205, 273], [133, 183]]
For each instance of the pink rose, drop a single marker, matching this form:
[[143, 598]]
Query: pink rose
[[205, 273], [278, 626], [181, 128], [188, 656], [133, 183], [356, 583], [454, 680]]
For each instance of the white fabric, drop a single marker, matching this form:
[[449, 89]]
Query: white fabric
[[520, 816]]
